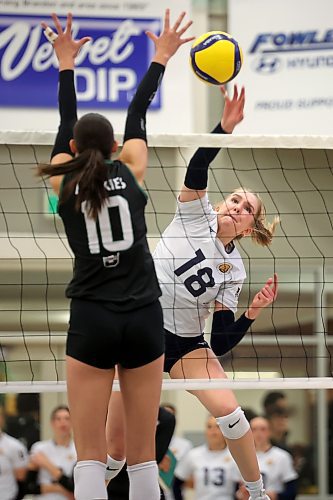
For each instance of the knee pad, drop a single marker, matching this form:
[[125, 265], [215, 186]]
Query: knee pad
[[235, 425]]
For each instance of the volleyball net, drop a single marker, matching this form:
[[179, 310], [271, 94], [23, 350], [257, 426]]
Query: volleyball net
[[289, 346]]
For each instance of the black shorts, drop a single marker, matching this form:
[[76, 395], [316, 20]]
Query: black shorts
[[103, 338], [176, 347]]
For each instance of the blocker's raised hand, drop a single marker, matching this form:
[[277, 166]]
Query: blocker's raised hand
[[169, 41], [66, 48]]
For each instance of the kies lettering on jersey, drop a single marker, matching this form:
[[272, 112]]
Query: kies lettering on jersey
[[194, 269]]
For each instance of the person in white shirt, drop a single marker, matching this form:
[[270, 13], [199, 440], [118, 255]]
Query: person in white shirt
[[276, 465], [13, 464], [199, 268], [209, 469], [55, 459]]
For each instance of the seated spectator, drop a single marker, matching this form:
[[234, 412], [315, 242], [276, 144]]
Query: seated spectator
[[24, 426], [209, 469], [55, 458], [13, 464], [277, 412], [179, 447], [279, 428], [276, 465], [274, 400]]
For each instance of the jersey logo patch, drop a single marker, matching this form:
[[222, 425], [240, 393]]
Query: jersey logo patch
[[225, 267], [111, 260]]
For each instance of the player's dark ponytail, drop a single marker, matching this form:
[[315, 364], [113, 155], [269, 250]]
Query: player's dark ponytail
[[94, 138]]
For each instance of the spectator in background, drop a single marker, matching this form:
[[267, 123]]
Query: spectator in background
[[276, 465], [179, 447], [277, 412], [55, 458], [209, 469], [275, 400], [25, 425], [279, 427], [13, 464]]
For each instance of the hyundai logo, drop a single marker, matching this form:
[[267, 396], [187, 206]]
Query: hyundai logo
[[267, 65]]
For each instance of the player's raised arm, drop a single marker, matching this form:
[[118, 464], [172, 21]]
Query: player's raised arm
[[227, 332], [196, 178], [134, 152], [66, 50]]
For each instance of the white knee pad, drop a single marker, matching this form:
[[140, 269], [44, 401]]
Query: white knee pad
[[234, 425]]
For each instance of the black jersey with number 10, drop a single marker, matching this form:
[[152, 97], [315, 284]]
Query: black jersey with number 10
[[113, 263]]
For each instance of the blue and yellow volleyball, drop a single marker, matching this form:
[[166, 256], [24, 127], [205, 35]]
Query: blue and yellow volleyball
[[216, 57]]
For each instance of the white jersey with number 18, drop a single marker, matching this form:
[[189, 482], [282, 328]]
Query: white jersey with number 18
[[194, 269]]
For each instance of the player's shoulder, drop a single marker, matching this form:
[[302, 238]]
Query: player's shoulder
[[198, 451], [279, 453], [42, 446], [198, 207], [11, 442]]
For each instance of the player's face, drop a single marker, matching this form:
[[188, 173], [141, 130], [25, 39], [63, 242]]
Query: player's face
[[236, 214], [61, 423], [260, 431], [214, 436]]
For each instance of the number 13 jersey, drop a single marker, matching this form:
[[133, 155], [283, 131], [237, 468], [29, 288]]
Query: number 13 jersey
[[194, 269], [113, 263]]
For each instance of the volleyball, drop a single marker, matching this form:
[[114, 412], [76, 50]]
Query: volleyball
[[216, 57]]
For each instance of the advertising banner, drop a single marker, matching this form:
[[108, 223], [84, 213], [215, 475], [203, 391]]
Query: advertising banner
[[108, 68], [288, 64]]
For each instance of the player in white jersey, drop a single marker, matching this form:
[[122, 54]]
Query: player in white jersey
[[276, 465], [13, 464], [55, 459], [209, 469], [199, 267]]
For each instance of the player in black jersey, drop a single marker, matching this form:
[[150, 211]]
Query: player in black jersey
[[115, 315]]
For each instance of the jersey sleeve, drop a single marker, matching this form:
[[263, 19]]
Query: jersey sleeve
[[184, 468], [198, 212], [228, 295]]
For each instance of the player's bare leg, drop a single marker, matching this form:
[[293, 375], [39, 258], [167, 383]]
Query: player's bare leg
[[141, 389], [89, 391], [202, 363], [115, 436]]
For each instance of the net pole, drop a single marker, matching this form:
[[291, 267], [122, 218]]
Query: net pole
[[322, 415]]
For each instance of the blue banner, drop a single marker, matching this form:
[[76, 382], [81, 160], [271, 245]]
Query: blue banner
[[109, 67]]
